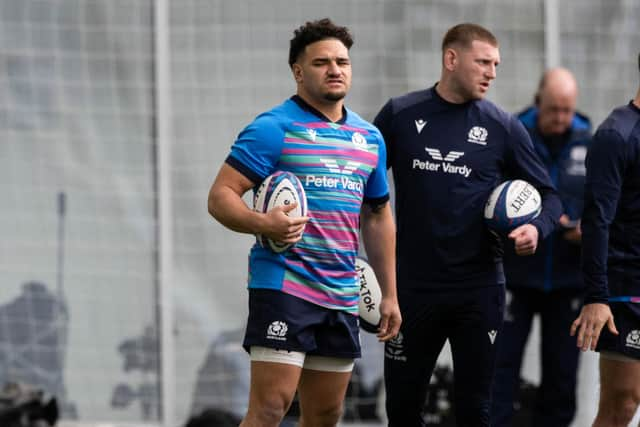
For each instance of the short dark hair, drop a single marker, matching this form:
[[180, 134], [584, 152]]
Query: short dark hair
[[314, 31], [464, 34]]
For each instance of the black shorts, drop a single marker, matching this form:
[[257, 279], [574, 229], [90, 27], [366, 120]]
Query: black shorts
[[627, 319], [284, 322]]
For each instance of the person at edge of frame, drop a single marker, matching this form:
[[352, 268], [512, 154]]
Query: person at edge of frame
[[611, 263]]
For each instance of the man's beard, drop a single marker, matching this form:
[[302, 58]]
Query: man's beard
[[334, 96]]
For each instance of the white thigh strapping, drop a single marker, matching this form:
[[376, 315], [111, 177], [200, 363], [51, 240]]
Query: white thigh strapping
[[328, 364], [264, 354], [302, 360]]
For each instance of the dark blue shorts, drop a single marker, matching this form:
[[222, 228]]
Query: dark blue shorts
[[627, 319], [284, 322]]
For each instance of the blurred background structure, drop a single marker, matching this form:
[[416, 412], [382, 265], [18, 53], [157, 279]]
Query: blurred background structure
[[118, 293]]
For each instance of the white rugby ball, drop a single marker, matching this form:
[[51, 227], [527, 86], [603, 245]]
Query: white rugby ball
[[512, 204], [279, 189], [370, 297]]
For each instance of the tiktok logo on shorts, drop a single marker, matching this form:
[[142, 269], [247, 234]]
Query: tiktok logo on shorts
[[394, 349], [633, 339], [277, 331]]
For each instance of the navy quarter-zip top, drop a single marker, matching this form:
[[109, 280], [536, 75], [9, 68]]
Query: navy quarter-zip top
[[446, 159]]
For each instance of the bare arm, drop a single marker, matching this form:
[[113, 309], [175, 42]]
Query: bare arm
[[226, 205], [379, 237]]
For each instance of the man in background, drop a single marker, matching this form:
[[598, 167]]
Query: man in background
[[548, 282], [611, 263]]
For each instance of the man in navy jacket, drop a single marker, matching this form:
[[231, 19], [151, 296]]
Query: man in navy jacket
[[448, 149], [548, 282]]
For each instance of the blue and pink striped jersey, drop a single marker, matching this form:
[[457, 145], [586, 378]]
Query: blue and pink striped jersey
[[340, 165]]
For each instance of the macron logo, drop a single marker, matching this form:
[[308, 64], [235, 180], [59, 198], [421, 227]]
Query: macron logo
[[420, 124], [492, 335], [348, 169]]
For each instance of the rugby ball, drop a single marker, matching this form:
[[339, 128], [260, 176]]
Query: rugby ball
[[279, 189], [370, 297], [512, 204]]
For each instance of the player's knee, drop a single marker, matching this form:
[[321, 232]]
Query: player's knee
[[620, 409], [269, 416], [270, 410], [626, 411], [323, 417]]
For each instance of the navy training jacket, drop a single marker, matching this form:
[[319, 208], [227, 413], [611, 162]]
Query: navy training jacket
[[446, 159]]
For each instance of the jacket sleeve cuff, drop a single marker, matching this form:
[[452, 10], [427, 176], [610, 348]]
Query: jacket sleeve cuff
[[596, 299]]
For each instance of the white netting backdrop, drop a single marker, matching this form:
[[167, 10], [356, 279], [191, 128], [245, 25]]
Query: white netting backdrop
[[78, 301]]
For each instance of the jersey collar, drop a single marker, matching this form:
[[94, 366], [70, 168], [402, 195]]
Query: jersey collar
[[443, 101], [305, 106]]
